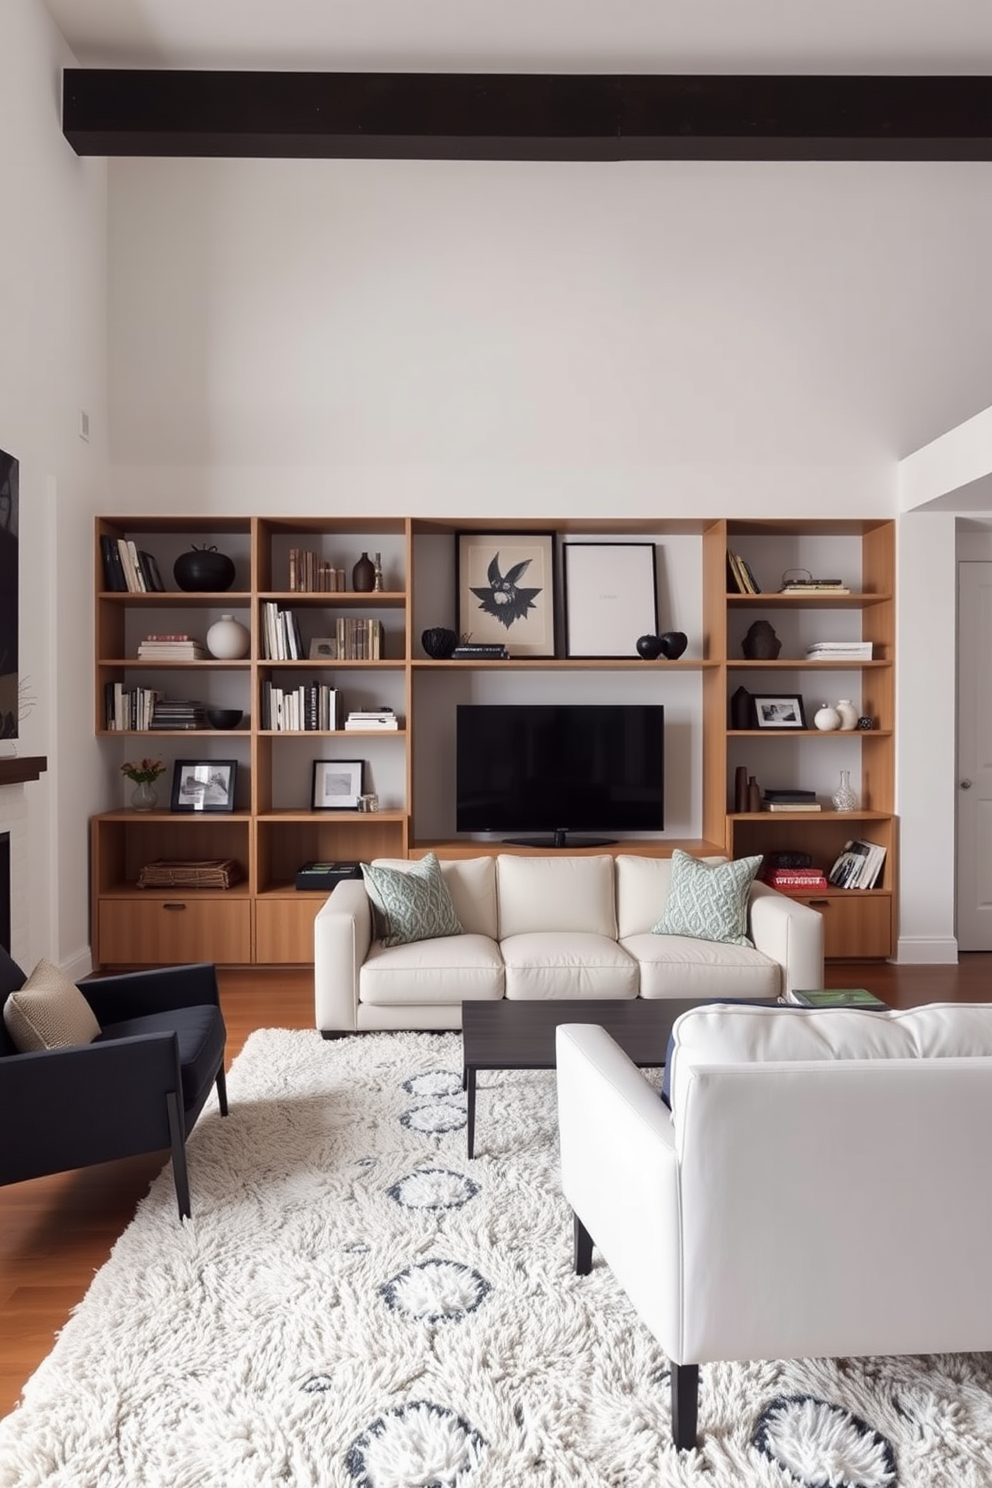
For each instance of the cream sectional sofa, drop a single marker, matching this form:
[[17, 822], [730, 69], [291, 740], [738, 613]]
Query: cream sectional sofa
[[553, 926]]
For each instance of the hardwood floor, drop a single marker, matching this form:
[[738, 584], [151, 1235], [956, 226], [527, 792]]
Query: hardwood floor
[[56, 1232]]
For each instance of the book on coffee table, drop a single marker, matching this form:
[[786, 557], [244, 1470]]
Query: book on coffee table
[[830, 997]]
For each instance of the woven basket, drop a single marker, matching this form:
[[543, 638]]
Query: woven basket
[[190, 873]]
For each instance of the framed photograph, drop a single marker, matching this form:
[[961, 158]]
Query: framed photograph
[[204, 785], [323, 648], [611, 597], [780, 712], [337, 785], [505, 583]]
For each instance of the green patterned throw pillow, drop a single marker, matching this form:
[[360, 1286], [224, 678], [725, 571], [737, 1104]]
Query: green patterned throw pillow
[[410, 904], [708, 901]]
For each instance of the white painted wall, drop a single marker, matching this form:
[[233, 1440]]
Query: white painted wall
[[53, 333]]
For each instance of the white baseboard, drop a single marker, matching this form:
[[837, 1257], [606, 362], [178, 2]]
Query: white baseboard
[[78, 966], [926, 951]]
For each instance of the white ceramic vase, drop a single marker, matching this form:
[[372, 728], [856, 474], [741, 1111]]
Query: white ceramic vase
[[228, 639], [826, 718], [848, 713]]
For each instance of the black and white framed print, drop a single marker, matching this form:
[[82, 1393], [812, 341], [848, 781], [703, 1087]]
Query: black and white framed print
[[204, 785], [611, 597], [783, 711], [336, 785], [505, 583]]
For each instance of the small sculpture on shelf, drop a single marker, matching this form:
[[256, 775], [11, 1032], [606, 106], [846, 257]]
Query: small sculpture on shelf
[[203, 570], [439, 642], [761, 643]]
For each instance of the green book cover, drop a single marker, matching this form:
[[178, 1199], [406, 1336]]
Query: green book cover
[[825, 997]]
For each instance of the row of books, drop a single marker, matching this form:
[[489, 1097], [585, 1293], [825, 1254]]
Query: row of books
[[128, 708], [859, 866], [359, 638], [309, 573], [740, 579], [840, 651], [281, 638], [308, 707], [128, 569], [178, 647]]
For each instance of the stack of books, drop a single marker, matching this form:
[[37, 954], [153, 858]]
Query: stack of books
[[178, 713], [178, 647], [790, 800], [839, 651], [740, 579], [858, 867], [373, 720], [794, 880], [814, 586], [128, 569], [480, 651]]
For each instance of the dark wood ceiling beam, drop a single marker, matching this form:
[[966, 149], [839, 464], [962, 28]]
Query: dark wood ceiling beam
[[455, 116]]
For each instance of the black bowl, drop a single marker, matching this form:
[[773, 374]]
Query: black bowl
[[204, 570], [439, 642], [224, 718]]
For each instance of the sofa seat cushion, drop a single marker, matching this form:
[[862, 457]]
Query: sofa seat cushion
[[681, 966], [201, 1035], [577, 964], [449, 969]]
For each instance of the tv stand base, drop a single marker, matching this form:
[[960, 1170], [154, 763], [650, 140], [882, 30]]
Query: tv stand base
[[559, 839]]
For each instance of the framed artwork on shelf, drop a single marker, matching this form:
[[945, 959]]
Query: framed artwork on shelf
[[323, 648], [783, 711], [505, 586], [204, 785], [337, 785], [611, 597]]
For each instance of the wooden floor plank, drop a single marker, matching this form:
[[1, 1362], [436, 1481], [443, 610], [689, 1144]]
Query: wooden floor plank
[[56, 1232]]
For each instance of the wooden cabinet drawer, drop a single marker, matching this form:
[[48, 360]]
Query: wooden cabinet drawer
[[284, 929], [856, 926], [164, 930]]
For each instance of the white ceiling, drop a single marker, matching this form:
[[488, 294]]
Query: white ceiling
[[856, 36]]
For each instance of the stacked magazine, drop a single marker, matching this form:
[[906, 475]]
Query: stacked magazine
[[858, 867]]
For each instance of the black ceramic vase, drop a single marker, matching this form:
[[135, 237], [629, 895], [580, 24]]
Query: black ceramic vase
[[203, 569], [673, 643], [363, 575], [650, 647], [438, 642]]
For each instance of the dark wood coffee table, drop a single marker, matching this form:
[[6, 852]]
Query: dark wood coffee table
[[521, 1035]]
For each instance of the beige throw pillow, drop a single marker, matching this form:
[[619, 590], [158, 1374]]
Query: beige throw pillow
[[49, 1012]]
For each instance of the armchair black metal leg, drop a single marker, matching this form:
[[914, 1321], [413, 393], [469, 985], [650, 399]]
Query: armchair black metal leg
[[222, 1091], [581, 1247], [685, 1405], [177, 1135]]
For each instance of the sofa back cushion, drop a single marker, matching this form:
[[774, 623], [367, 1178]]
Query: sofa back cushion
[[556, 893], [471, 882], [642, 891]]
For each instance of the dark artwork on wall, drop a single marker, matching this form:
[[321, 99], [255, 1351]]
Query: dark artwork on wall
[[8, 596]]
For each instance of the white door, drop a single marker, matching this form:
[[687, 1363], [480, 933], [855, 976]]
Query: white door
[[974, 829]]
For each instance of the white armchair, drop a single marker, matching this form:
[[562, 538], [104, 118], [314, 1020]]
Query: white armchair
[[818, 1189]]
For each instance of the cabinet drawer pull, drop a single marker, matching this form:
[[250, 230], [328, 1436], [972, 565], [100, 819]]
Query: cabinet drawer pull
[[824, 902], [174, 906]]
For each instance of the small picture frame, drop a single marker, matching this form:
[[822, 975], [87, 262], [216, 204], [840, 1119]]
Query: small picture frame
[[323, 648], [204, 785], [505, 583], [611, 597], [337, 785], [782, 711]]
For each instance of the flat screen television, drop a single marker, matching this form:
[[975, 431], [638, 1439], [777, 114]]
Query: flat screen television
[[552, 771]]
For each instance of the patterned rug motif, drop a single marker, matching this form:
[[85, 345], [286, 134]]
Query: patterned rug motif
[[356, 1304]]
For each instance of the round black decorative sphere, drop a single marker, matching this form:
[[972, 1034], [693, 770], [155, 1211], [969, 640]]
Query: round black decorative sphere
[[203, 569], [650, 647], [673, 643], [439, 642]]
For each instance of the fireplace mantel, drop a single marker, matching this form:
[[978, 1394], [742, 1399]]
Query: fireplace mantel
[[17, 770]]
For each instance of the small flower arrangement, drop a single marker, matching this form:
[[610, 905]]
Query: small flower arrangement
[[143, 771]]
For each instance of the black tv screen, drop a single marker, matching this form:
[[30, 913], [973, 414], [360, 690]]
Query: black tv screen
[[560, 768]]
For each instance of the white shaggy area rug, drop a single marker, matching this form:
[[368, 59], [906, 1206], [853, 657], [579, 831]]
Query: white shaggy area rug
[[355, 1304]]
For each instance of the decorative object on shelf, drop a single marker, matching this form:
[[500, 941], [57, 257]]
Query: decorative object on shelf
[[323, 648], [826, 718], [505, 587], [741, 709], [224, 718], [848, 714], [650, 647], [865, 722], [368, 802], [611, 597], [377, 587], [336, 785], [740, 789], [203, 570], [438, 642], [761, 643], [788, 860], [191, 873], [204, 785], [845, 797], [753, 794], [363, 575], [673, 643], [143, 773], [784, 711], [228, 639]]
